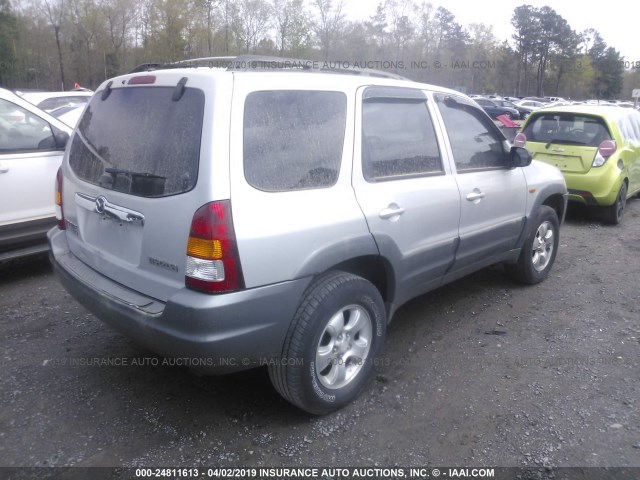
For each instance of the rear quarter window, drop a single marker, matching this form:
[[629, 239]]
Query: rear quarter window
[[139, 141], [293, 140]]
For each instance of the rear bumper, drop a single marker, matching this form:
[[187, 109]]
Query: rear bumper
[[600, 186], [211, 333]]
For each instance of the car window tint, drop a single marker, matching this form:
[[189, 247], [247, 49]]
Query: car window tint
[[398, 140], [567, 128], [23, 131], [109, 150], [293, 140], [475, 141]]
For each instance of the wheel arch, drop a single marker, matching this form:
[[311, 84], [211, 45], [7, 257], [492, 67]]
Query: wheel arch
[[558, 202], [552, 197], [375, 269]]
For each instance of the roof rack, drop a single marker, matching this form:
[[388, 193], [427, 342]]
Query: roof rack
[[270, 64]]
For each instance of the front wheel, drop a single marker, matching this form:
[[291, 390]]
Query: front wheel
[[539, 249], [332, 345]]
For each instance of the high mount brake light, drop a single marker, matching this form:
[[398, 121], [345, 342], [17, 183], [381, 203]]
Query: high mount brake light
[[142, 80]]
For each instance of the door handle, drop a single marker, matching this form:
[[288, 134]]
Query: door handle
[[3, 169], [475, 195], [391, 211]]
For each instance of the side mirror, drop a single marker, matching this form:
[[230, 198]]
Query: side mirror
[[520, 157], [61, 139]]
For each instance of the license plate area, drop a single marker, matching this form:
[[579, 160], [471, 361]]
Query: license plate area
[[117, 234], [565, 163]]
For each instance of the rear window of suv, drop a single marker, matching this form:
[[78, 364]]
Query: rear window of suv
[[568, 129], [139, 141], [293, 139]]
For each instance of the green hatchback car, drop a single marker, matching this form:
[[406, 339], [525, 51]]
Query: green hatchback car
[[597, 148]]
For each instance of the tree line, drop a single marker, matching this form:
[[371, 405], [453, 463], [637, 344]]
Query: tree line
[[54, 44]]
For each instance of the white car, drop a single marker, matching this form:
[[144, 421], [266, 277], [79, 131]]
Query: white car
[[48, 101], [69, 114], [530, 103], [32, 144]]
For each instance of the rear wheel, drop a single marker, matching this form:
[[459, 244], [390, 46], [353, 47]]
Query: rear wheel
[[539, 249], [332, 345], [615, 212]]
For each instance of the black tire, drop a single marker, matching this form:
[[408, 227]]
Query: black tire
[[331, 299], [614, 213], [539, 249]]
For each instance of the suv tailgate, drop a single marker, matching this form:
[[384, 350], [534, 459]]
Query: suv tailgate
[[130, 182]]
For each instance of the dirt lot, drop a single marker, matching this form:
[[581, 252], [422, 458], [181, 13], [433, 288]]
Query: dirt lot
[[482, 372]]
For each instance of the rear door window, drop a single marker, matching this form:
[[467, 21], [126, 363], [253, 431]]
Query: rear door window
[[293, 140], [568, 129], [398, 140], [139, 141]]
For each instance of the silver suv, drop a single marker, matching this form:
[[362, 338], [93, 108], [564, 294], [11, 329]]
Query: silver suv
[[241, 216]]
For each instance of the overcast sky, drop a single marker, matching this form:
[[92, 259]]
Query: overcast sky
[[617, 21]]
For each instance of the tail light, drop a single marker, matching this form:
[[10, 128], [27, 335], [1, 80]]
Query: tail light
[[213, 263], [605, 150], [520, 140], [58, 199]]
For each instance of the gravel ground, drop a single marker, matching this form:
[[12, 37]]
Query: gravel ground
[[482, 372]]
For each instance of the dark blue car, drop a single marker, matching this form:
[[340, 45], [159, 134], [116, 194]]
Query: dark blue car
[[494, 110]]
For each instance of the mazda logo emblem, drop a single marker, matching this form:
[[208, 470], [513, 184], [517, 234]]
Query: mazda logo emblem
[[101, 202]]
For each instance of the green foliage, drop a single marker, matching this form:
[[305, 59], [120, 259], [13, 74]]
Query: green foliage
[[99, 39], [609, 69], [8, 34], [631, 80], [544, 42], [293, 28]]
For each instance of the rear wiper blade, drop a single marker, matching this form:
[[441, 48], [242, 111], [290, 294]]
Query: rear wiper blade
[[137, 183], [120, 171]]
